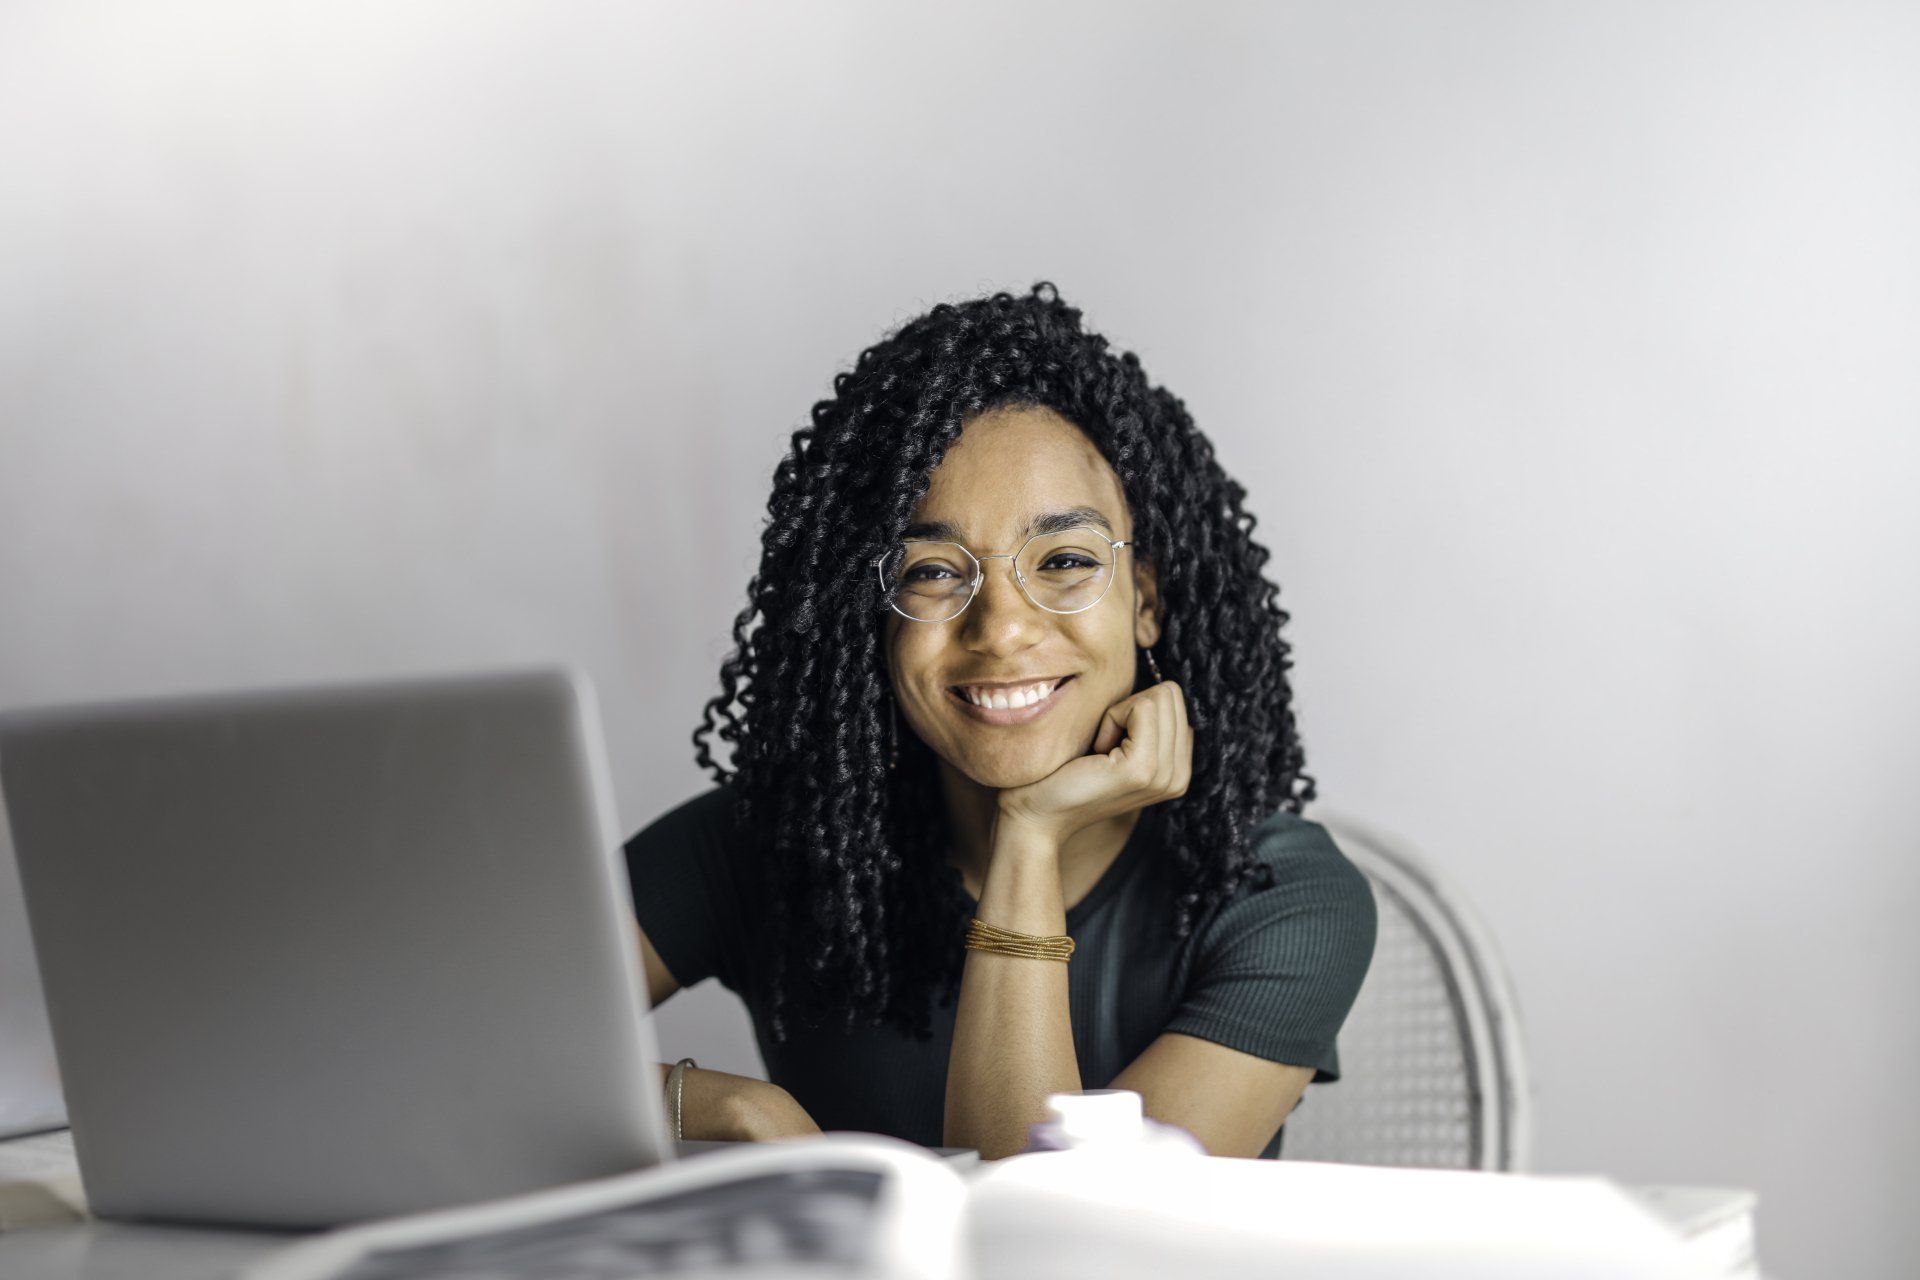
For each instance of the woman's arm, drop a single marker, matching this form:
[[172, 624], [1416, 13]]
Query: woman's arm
[[718, 1104], [731, 1108], [1012, 1037], [1012, 1034]]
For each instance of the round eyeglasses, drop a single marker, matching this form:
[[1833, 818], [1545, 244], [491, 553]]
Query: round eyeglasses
[[1066, 571]]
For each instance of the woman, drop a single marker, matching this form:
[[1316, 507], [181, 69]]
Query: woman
[[1016, 693]]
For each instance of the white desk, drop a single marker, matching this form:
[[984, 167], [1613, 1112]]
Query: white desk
[[99, 1250]]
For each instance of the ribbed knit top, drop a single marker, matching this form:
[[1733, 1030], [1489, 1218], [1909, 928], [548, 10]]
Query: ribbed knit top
[[1269, 972]]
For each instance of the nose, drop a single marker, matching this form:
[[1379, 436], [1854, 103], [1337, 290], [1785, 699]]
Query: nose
[[1000, 620]]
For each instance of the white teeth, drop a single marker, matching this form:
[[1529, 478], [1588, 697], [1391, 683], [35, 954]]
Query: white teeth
[[1007, 700]]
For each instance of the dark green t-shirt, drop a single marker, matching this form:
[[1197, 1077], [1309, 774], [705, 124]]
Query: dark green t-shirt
[[1270, 972]]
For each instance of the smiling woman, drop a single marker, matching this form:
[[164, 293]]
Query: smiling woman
[[1014, 803]]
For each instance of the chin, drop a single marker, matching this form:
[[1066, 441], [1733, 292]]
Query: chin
[[1002, 775]]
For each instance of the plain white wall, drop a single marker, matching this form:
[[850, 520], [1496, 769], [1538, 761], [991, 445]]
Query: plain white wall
[[1566, 353]]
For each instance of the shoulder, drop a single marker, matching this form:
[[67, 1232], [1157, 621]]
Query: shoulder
[[1317, 895], [1302, 852], [709, 814], [695, 897], [703, 829]]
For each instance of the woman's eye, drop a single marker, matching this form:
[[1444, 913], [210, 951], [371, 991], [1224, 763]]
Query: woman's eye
[[1076, 562], [925, 572]]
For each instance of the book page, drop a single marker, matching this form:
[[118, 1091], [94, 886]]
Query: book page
[[782, 1222]]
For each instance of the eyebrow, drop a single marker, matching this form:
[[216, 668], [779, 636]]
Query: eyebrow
[[1050, 522]]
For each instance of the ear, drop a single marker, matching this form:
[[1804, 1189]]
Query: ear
[[1146, 611]]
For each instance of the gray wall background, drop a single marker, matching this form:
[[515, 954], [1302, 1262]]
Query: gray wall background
[[1567, 352]]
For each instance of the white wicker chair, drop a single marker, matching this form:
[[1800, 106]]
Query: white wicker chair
[[1432, 1069]]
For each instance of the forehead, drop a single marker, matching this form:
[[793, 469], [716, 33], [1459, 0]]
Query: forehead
[[1013, 468]]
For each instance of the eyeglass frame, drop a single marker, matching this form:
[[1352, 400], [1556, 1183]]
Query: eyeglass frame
[[980, 573]]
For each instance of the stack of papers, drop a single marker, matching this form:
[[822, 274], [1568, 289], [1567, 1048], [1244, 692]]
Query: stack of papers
[[1715, 1222], [1065, 1215]]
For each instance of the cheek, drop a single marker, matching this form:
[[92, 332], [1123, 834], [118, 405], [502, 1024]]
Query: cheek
[[916, 693], [896, 655], [1113, 661]]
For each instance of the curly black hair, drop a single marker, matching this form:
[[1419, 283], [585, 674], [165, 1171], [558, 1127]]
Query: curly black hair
[[871, 918]]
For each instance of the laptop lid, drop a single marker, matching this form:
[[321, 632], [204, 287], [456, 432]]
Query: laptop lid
[[317, 955]]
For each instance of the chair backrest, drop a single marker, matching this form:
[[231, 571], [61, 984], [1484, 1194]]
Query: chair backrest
[[1432, 1069]]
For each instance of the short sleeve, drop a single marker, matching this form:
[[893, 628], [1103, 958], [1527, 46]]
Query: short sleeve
[[1276, 970], [682, 868]]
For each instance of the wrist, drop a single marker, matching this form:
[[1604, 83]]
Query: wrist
[[1019, 836], [735, 1108]]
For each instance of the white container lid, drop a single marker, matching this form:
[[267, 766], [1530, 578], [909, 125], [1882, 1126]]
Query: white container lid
[[1098, 1115]]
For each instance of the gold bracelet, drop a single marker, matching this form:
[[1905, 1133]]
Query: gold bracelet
[[982, 936]]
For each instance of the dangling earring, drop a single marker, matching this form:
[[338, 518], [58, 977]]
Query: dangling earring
[[1152, 665], [893, 734]]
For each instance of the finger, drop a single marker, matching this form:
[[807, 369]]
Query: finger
[[1170, 750], [1166, 721], [1183, 759], [1114, 724], [1146, 733], [1183, 751], [1137, 754], [1160, 739], [1179, 696]]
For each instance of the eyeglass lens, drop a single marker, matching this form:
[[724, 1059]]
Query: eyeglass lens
[[1064, 572]]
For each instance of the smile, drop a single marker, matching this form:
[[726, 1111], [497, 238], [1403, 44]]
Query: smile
[[1008, 706]]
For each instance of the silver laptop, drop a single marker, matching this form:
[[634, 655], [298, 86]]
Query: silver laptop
[[322, 955]]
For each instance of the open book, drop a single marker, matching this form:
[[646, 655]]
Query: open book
[[865, 1205], [839, 1204]]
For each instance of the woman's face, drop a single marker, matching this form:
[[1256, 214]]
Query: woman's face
[[1008, 468]]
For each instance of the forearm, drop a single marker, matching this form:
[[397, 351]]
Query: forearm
[[733, 1108], [1012, 1035]]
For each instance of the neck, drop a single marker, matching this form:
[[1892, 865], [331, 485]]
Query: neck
[[973, 812]]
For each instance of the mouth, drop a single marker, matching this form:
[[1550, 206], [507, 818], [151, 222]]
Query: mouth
[[1019, 705]]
